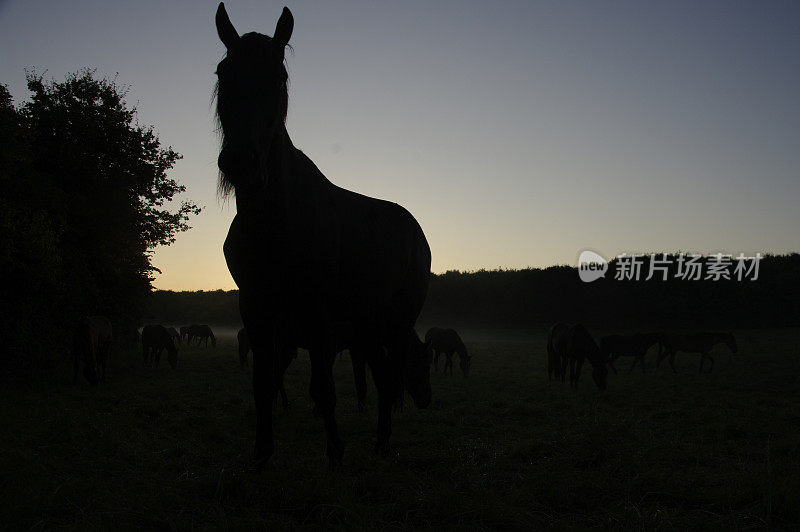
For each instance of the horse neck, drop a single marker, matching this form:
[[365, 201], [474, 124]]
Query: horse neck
[[292, 180]]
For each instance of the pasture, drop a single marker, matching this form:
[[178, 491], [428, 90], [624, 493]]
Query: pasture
[[163, 448]]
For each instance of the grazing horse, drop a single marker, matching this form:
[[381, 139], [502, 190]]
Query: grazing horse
[[317, 266], [570, 344], [202, 333], [156, 338], [617, 345], [185, 331], [91, 344], [699, 342], [174, 334], [448, 342], [283, 363]]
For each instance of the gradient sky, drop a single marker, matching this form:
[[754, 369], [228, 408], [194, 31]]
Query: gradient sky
[[518, 133]]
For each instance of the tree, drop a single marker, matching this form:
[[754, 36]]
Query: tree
[[88, 194]]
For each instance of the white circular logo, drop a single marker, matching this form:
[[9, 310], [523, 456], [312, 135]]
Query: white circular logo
[[591, 266]]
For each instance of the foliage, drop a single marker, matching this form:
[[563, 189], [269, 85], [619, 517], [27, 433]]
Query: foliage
[[85, 195]]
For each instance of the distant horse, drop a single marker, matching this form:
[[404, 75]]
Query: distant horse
[[311, 258], [156, 338], [434, 331], [699, 342], [201, 333], [448, 342], [91, 344], [284, 361], [174, 334], [568, 345], [617, 345], [185, 331]]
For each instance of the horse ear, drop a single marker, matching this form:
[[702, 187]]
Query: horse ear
[[283, 30], [227, 33]]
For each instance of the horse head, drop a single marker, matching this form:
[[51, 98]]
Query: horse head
[[252, 100]]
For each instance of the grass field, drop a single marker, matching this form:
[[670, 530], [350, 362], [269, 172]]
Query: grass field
[[500, 449]]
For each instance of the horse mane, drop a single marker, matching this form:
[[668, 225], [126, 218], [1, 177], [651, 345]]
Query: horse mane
[[224, 186]]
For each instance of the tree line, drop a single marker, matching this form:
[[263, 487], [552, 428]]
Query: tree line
[[537, 297]]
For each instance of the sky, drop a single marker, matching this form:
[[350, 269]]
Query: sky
[[517, 133]]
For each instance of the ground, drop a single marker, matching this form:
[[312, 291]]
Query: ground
[[502, 448]]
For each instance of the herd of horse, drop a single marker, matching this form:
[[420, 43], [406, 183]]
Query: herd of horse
[[92, 342], [569, 345]]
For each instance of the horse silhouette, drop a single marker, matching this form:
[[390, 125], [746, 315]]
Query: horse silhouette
[[317, 266], [569, 345], [201, 333], [184, 331], [616, 345], [284, 360], [156, 338], [698, 342], [448, 341], [174, 334], [91, 344]]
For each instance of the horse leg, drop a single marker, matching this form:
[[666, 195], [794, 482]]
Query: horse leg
[[578, 366], [712, 362], [611, 364], [358, 361], [158, 355], [387, 388], [323, 392], [448, 365], [436, 360], [672, 362], [572, 372], [633, 364], [145, 354], [264, 353]]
